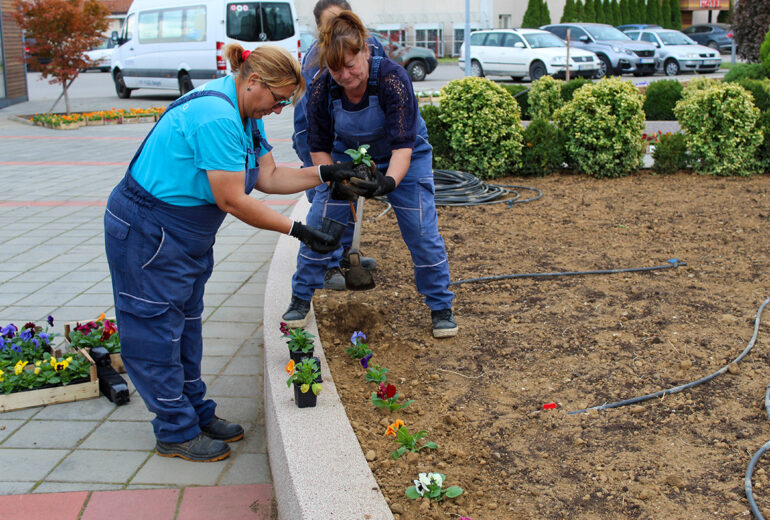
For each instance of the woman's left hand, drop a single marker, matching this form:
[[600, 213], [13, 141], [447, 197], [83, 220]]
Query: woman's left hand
[[380, 185]]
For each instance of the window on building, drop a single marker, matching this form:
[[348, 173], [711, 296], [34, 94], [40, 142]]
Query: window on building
[[431, 39], [504, 21], [459, 38], [394, 35]]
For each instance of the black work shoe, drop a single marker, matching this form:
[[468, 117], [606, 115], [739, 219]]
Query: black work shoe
[[296, 315], [444, 325], [223, 430], [368, 263], [199, 449], [334, 280]]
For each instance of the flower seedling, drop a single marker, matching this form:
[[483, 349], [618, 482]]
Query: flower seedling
[[407, 440], [98, 333], [358, 349], [47, 371], [360, 155], [376, 374], [28, 343], [429, 485], [300, 340], [387, 397], [305, 373]]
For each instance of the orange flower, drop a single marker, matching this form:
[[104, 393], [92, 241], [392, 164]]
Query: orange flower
[[290, 367], [101, 317], [393, 428]]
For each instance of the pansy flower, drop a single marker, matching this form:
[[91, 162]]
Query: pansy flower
[[45, 337], [19, 367], [365, 360], [386, 391], [356, 336], [26, 334], [290, 367], [50, 320], [2, 344], [9, 331], [393, 428], [29, 325], [284, 329]]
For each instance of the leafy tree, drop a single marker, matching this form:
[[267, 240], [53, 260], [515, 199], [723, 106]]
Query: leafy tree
[[764, 52], [63, 31], [568, 15], [601, 11], [545, 14], [531, 15], [676, 15], [665, 14], [634, 13], [653, 11], [625, 12], [750, 22], [589, 12], [580, 11], [617, 17], [726, 16]]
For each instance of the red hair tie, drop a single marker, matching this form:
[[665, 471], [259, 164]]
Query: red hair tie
[[245, 55]]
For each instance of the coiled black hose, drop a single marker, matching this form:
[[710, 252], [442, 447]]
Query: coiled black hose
[[455, 188]]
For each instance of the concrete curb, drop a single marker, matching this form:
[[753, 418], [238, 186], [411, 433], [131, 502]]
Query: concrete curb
[[318, 468]]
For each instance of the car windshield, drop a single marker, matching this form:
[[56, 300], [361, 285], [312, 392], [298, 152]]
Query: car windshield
[[542, 40], [674, 38], [107, 43], [600, 32]]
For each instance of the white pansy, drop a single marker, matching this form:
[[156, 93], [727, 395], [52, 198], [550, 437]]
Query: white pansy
[[425, 479], [436, 478], [418, 486]]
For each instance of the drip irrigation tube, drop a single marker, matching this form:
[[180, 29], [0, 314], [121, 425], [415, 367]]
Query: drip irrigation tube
[[455, 188], [673, 263]]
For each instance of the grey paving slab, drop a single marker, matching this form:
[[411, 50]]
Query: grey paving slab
[[228, 313], [244, 365], [135, 410], [232, 330], [91, 409], [102, 466], [234, 386], [36, 463], [16, 488], [163, 470], [248, 468], [68, 487], [121, 435], [253, 346], [8, 426], [254, 441], [25, 414], [212, 365], [242, 410], [50, 434]]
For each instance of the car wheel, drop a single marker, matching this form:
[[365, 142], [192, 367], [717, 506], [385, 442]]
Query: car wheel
[[185, 83], [120, 86], [536, 71], [605, 66], [476, 70], [671, 67], [416, 70], [714, 45]]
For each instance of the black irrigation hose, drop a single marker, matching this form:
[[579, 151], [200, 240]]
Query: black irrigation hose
[[688, 385], [455, 188], [673, 263]]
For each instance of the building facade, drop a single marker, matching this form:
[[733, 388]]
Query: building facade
[[439, 24], [13, 78]]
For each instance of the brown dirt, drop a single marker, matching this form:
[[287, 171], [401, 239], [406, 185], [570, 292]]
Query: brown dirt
[[576, 341]]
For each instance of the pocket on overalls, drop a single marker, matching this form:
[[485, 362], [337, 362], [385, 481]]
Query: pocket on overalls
[[115, 232], [428, 217]]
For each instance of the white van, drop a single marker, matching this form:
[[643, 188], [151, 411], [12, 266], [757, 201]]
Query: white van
[[177, 44]]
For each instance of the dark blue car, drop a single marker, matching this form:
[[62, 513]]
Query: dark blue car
[[637, 26], [718, 36]]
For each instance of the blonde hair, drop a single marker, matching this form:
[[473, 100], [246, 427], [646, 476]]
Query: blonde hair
[[344, 32], [274, 65]]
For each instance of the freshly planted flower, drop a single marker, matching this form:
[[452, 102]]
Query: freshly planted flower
[[305, 374], [387, 397], [407, 440], [360, 155], [375, 374], [300, 340], [358, 349], [365, 360], [29, 343], [46, 371], [98, 333], [429, 485]]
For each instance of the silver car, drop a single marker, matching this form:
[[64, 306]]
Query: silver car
[[616, 51], [677, 52]]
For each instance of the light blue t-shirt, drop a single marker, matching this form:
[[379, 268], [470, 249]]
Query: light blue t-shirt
[[203, 134]]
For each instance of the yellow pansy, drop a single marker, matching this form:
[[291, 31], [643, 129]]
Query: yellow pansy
[[19, 367]]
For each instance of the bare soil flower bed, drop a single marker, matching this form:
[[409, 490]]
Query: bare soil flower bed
[[577, 342]]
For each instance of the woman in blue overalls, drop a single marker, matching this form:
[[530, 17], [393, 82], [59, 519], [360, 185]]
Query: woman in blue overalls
[[197, 164], [361, 100], [318, 269]]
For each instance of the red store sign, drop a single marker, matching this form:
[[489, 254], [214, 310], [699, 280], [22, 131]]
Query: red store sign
[[710, 4]]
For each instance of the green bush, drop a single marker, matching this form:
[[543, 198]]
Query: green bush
[[521, 94], [763, 151], [483, 127], [760, 91], [660, 98], [746, 70], [436, 135], [697, 84], [603, 125], [545, 97], [720, 126], [543, 150], [569, 88], [764, 52], [670, 153]]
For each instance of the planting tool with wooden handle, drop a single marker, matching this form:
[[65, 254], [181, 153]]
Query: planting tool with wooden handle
[[357, 278]]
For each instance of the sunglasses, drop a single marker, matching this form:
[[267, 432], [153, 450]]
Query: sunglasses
[[278, 102]]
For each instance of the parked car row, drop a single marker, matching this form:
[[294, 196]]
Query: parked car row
[[596, 50]]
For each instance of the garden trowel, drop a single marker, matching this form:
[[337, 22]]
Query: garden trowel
[[357, 278]]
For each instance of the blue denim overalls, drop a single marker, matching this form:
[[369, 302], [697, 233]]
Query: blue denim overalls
[[412, 200], [160, 257]]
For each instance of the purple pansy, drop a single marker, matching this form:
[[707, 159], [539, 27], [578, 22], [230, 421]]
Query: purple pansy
[[50, 320], [36, 343], [356, 336], [26, 334], [16, 348], [365, 360], [9, 331], [44, 337], [2, 344]]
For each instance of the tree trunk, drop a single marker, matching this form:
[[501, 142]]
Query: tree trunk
[[66, 96]]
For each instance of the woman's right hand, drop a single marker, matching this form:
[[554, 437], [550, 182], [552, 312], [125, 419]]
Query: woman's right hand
[[313, 238], [337, 172]]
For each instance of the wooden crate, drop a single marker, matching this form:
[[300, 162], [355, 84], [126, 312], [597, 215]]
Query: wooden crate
[[54, 395], [115, 360]]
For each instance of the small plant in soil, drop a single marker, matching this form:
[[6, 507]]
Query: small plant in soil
[[305, 373], [387, 397], [376, 374], [300, 340], [99, 333], [358, 349], [407, 440], [429, 485], [29, 343], [362, 161]]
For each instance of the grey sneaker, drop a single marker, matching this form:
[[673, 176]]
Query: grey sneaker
[[334, 280], [296, 315], [200, 449], [223, 430], [368, 263], [444, 324]]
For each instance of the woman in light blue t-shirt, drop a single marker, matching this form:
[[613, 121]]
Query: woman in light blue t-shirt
[[196, 165]]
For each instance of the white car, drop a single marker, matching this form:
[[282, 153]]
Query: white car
[[677, 52], [101, 56], [525, 52]]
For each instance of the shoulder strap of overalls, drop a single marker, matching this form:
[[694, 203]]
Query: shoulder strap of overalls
[[182, 100]]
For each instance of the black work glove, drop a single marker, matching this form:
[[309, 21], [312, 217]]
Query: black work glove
[[313, 238], [345, 191], [379, 185], [337, 172]]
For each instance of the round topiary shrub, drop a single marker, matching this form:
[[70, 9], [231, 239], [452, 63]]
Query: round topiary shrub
[[760, 92], [720, 125], [543, 150], [747, 70], [545, 97], [483, 127], [436, 135], [569, 88], [763, 151], [603, 125], [697, 84], [660, 99]]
